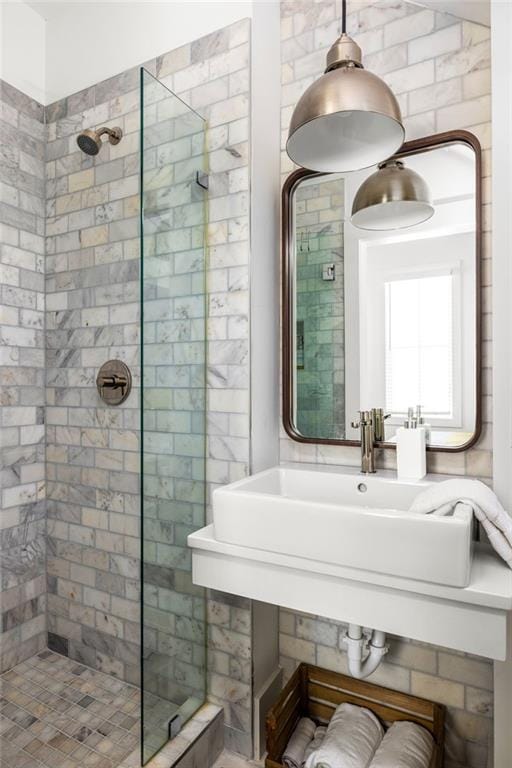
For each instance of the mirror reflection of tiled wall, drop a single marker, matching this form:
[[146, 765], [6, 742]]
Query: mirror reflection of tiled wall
[[319, 222]]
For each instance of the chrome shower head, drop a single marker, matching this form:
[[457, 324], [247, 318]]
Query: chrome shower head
[[89, 141]]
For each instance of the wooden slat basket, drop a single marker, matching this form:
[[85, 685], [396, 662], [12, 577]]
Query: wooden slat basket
[[314, 692]]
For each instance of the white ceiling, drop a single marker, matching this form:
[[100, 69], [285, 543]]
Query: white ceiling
[[53, 10], [474, 10], [47, 10], [449, 171]]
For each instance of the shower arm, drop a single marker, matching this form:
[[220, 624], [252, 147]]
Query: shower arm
[[111, 132]]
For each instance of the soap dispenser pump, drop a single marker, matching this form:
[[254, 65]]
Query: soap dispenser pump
[[411, 459], [422, 423]]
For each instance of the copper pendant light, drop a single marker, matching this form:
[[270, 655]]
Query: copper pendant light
[[394, 197], [348, 119]]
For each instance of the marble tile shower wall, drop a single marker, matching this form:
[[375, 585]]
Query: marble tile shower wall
[[22, 398], [439, 67], [213, 76], [92, 315], [174, 345]]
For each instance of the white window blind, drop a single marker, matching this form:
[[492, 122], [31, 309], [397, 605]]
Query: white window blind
[[419, 360]]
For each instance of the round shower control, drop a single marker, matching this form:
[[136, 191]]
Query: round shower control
[[114, 382]]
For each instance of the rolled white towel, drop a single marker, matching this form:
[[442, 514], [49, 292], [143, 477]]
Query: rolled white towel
[[351, 741], [300, 739], [405, 745], [317, 741]]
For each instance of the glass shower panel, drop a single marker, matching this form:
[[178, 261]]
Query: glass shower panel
[[173, 357]]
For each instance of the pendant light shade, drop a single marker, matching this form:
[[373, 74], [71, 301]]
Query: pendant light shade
[[346, 120], [394, 197]]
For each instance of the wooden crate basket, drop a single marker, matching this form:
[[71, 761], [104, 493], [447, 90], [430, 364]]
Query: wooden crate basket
[[314, 692]]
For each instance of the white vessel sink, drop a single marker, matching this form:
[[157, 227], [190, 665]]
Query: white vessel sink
[[345, 518]]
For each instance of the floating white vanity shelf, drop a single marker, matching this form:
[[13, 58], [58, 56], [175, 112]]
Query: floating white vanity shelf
[[472, 619]]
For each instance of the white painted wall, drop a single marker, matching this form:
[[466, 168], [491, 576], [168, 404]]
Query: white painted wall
[[22, 49], [501, 247], [264, 311], [265, 217], [90, 41]]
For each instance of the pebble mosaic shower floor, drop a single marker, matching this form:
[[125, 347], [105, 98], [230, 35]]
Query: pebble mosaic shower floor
[[58, 713]]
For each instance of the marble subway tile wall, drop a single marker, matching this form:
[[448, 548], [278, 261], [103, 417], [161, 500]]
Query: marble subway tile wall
[[213, 76], [174, 401], [439, 67], [92, 315], [461, 682], [22, 360]]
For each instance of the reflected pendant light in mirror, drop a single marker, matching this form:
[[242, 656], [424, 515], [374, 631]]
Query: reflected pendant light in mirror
[[348, 119], [394, 197]]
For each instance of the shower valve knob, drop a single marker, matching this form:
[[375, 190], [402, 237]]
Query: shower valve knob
[[114, 382]]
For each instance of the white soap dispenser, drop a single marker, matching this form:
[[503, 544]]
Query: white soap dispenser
[[411, 458]]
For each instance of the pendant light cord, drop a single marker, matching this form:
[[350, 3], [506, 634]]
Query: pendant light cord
[[344, 17]]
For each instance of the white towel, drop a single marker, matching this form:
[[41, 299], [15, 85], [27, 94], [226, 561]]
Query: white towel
[[352, 738], [300, 739], [405, 745], [442, 498], [316, 743]]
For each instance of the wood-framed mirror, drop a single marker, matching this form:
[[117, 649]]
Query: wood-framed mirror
[[384, 318]]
